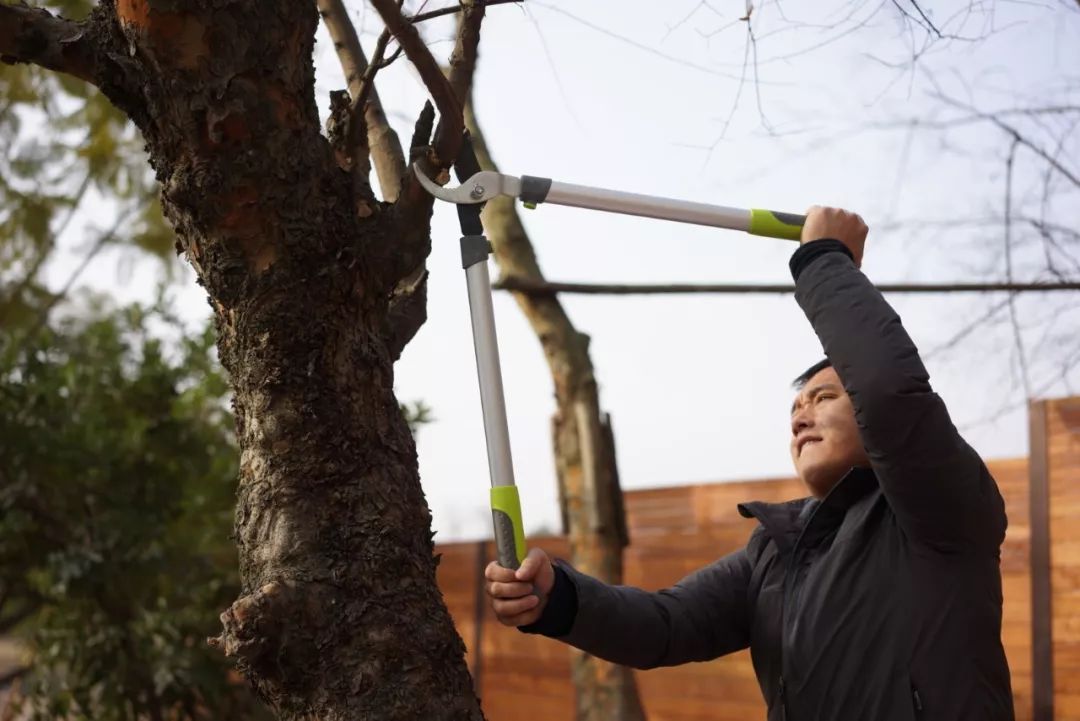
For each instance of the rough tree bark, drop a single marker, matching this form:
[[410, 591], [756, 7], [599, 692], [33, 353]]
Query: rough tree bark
[[340, 616], [589, 493]]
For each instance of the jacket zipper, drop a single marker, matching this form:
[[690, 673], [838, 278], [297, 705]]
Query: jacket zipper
[[788, 589], [916, 701]]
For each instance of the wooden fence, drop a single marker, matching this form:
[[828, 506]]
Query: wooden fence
[[676, 530]]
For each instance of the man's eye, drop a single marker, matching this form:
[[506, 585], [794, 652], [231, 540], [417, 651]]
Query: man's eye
[[824, 396]]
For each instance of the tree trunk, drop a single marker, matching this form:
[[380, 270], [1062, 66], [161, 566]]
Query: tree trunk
[[589, 492], [340, 616]]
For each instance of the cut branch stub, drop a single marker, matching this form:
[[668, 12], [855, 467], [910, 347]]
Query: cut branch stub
[[253, 624]]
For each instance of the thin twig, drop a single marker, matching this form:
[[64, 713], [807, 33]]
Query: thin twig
[[1017, 335], [421, 17], [970, 328], [102, 241], [32, 272], [634, 43], [1015, 134]]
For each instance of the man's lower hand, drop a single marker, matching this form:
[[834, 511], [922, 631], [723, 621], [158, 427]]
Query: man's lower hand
[[838, 224], [518, 597]]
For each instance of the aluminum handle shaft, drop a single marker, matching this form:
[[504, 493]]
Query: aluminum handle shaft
[[648, 206], [489, 373]]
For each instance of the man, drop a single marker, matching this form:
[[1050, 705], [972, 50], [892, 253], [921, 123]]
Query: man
[[876, 598]]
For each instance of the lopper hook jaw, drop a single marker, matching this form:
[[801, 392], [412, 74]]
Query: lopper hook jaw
[[479, 188]]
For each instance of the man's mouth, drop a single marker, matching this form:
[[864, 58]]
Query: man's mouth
[[804, 442]]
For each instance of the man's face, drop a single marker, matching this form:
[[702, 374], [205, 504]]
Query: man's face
[[825, 441]]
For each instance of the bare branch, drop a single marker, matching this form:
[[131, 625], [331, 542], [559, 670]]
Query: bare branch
[[413, 211], [522, 285], [32, 272], [1015, 134], [381, 140], [421, 17], [926, 22], [33, 35], [408, 303], [1017, 335], [923, 21], [463, 59], [987, 316], [346, 41], [634, 43]]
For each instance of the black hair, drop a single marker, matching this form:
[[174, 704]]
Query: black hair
[[810, 372]]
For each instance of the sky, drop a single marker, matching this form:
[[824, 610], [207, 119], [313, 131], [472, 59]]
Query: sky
[[655, 98]]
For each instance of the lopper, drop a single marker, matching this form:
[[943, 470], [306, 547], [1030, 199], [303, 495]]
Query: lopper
[[478, 187]]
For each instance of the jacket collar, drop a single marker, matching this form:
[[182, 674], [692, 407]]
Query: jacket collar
[[807, 521]]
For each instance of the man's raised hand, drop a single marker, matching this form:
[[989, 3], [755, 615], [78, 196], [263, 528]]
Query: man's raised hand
[[838, 224]]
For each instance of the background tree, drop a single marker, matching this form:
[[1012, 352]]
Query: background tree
[[116, 492], [91, 154]]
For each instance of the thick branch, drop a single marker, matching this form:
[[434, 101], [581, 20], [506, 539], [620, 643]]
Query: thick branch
[[33, 35], [437, 84], [346, 42], [408, 311], [533, 287], [463, 59], [383, 142], [414, 211]]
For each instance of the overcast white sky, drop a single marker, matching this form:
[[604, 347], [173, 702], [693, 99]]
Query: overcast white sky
[[632, 96]]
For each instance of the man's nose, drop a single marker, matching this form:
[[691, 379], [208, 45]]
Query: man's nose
[[801, 420]]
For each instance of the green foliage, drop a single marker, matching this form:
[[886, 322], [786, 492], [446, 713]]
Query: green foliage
[[63, 144], [417, 414], [117, 482]]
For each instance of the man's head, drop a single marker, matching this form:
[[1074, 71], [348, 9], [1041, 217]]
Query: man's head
[[825, 440]]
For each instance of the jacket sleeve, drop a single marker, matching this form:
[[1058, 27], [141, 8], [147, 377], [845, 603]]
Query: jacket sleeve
[[938, 487], [703, 616]]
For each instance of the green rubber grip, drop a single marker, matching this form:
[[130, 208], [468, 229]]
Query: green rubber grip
[[509, 533], [773, 224]]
